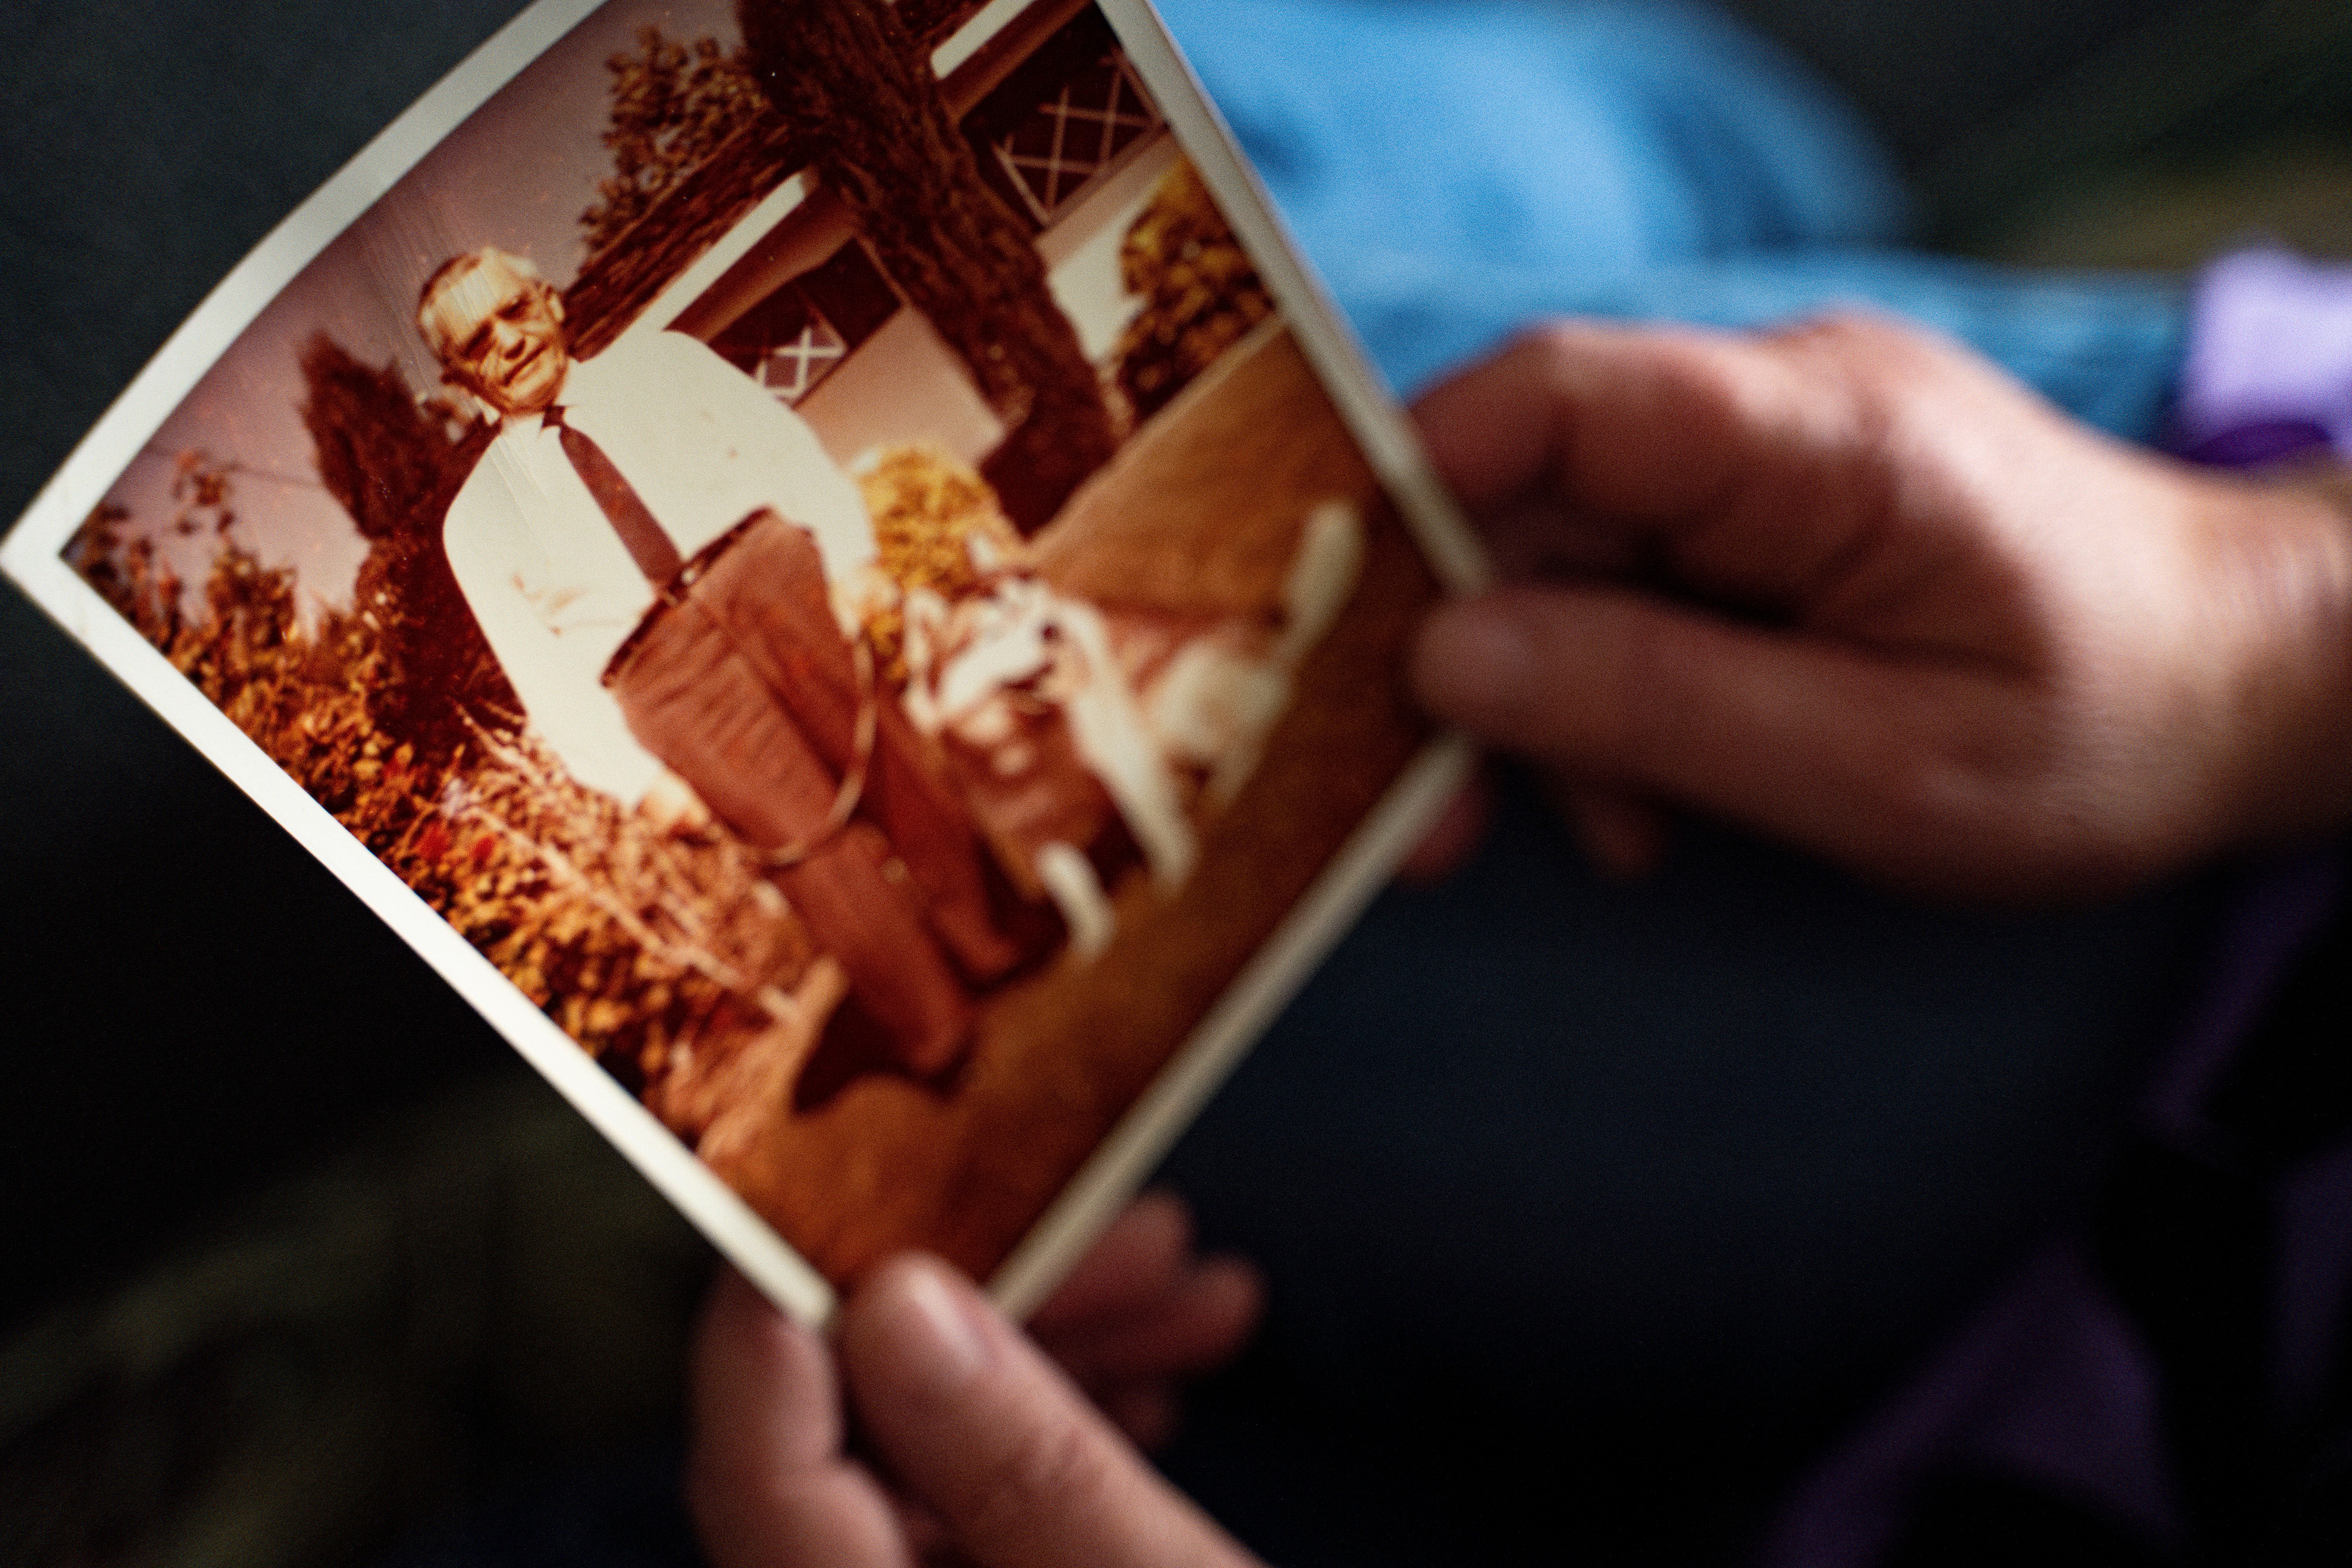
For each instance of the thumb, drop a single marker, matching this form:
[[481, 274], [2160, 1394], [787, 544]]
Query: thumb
[[1825, 745], [976, 1424]]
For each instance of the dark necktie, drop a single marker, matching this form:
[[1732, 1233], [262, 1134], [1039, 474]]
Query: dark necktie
[[648, 546]]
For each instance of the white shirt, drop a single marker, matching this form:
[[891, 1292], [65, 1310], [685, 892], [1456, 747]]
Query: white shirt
[[554, 589]]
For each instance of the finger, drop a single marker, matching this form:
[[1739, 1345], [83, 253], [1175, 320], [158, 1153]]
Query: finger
[[1454, 837], [1623, 835], [1138, 1258], [1633, 419], [1140, 1305], [976, 1423], [1743, 466], [1883, 765], [1148, 1411], [766, 1482], [1202, 1322]]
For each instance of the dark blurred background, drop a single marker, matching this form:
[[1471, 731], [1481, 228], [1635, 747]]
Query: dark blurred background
[[275, 1205]]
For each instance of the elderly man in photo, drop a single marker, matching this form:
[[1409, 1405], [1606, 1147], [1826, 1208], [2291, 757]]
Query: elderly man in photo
[[671, 570]]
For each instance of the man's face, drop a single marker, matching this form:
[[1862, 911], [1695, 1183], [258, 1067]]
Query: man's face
[[505, 337]]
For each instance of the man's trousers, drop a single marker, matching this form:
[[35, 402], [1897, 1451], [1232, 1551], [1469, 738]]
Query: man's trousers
[[743, 685]]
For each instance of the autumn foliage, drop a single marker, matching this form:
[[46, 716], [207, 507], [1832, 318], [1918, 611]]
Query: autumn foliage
[[1201, 293], [393, 463], [646, 947], [927, 509], [640, 945], [674, 105]]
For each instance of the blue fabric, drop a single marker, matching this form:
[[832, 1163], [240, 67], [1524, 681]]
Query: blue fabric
[[1457, 169], [2104, 348], [1520, 133]]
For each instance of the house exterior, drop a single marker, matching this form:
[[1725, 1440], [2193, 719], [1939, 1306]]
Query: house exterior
[[754, 254]]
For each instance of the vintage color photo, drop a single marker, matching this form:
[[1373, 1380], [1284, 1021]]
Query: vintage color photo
[[831, 547]]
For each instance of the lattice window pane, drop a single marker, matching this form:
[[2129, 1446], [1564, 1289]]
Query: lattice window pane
[[1062, 143], [784, 343], [792, 367]]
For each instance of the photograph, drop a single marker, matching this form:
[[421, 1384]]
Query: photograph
[[810, 542]]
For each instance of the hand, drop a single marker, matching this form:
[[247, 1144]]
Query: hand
[[991, 1453], [1142, 1311], [1852, 587], [671, 806]]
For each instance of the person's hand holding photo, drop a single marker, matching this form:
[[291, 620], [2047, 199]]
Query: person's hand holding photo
[[1847, 585], [970, 1443]]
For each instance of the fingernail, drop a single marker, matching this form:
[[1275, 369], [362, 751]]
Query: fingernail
[[1468, 654], [930, 1325]]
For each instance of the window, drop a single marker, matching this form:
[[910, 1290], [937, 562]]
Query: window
[[1069, 117], [792, 339], [1065, 142]]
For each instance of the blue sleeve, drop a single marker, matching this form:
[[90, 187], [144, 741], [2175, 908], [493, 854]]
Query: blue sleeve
[[1456, 170]]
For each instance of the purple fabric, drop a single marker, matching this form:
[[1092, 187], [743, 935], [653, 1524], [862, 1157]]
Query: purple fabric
[[2274, 919], [2315, 1248], [2046, 1380], [2049, 1383], [2269, 372]]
